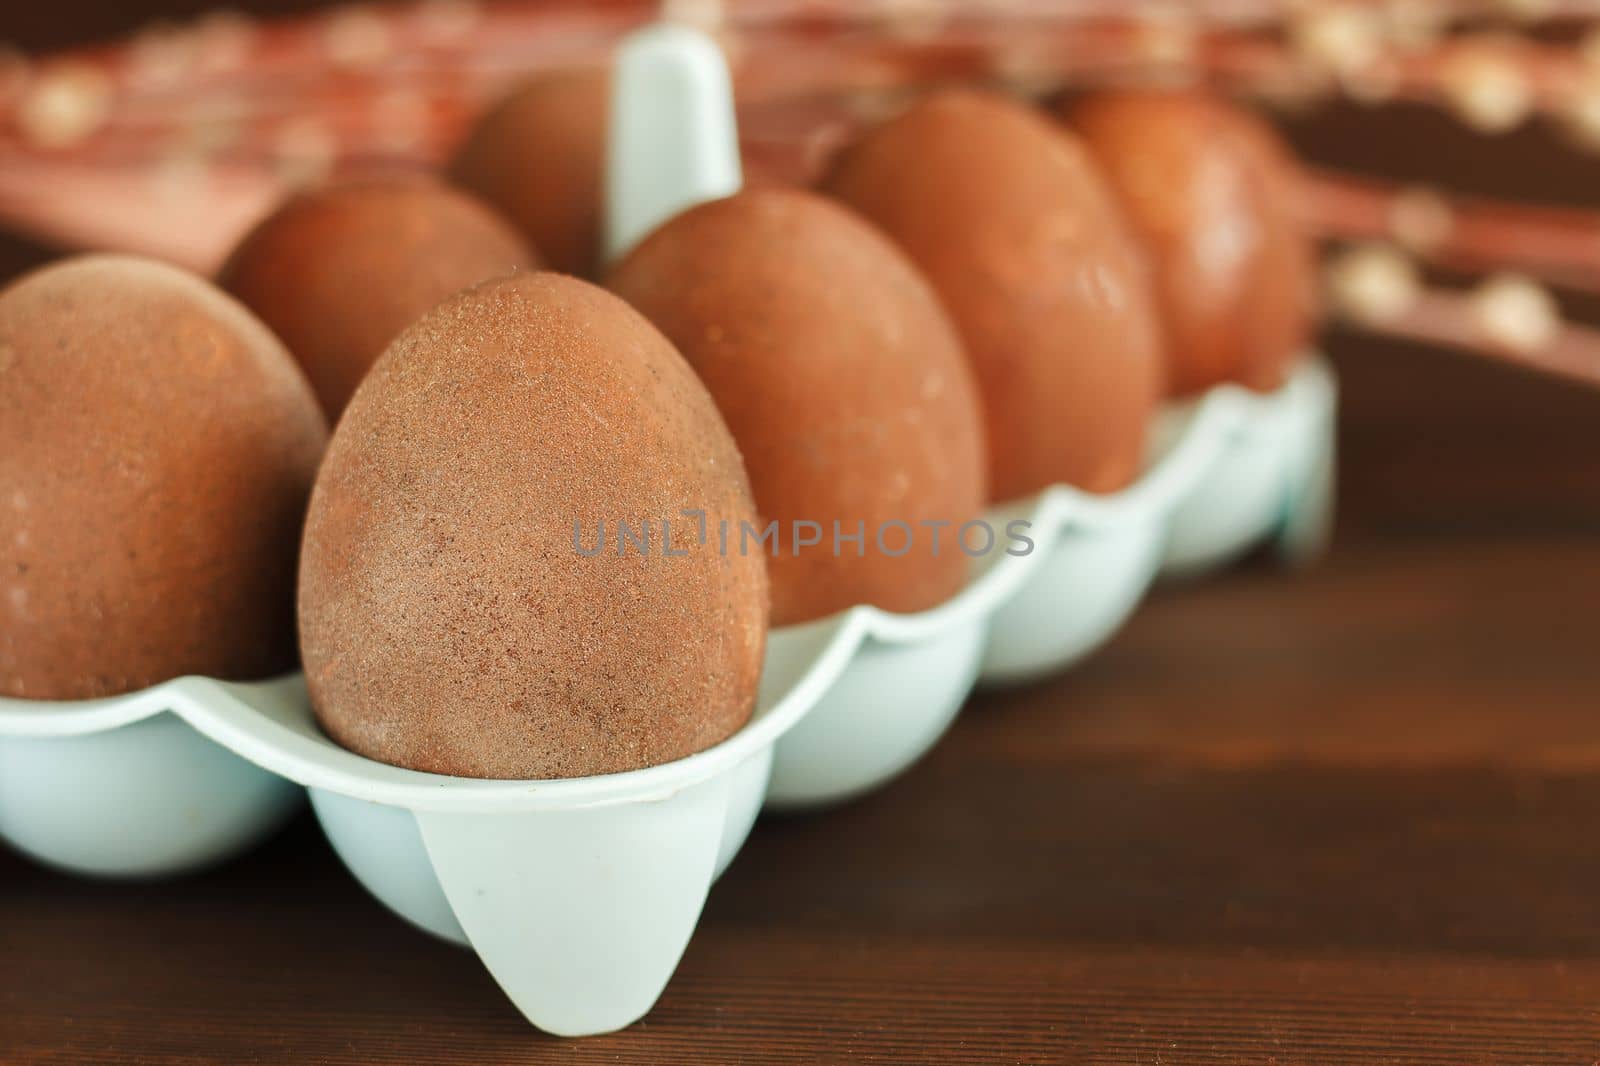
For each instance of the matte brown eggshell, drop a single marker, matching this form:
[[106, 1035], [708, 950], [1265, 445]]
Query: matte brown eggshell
[[1007, 216], [157, 445], [1210, 191], [448, 620], [843, 382], [338, 271], [538, 156]]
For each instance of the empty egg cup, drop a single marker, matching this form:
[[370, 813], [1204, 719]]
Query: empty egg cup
[[580, 895]]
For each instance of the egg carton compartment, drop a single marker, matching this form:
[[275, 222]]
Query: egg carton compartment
[[126, 787], [579, 895]]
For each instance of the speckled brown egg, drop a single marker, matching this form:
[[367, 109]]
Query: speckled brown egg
[[1006, 215], [157, 445], [1210, 191], [843, 382], [339, 271], [469, 604], [538, 156]]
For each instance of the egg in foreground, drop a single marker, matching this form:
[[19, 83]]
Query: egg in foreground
[[468, 602]]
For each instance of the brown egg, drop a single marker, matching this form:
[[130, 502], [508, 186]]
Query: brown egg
[[841, 379], [156, 448], [339, 271], [538, 156], [1210, 191], [452, 616], [1010, 221]]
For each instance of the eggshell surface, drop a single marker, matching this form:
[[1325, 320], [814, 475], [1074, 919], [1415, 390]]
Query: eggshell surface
[[339, 271], [1008, 218], [468, 602], [157, 445], [1210, 191], [844, 383]]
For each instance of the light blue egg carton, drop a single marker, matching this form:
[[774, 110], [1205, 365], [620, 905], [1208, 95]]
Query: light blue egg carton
[[580, 895]]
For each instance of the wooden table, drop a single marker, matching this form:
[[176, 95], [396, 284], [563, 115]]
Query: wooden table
[[1343, 816]]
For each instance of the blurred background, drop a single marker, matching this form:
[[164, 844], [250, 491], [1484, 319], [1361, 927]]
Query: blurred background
[[197, 118]]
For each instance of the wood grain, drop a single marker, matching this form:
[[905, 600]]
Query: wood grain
[[1342, 816]]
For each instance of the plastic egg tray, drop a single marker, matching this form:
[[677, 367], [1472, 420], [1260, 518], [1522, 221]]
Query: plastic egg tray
[[580, 895]]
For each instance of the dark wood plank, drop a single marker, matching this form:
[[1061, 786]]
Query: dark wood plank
[[1342, 816], [1345, 816]]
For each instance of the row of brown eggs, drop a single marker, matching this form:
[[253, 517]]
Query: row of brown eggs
[[977, 303]]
